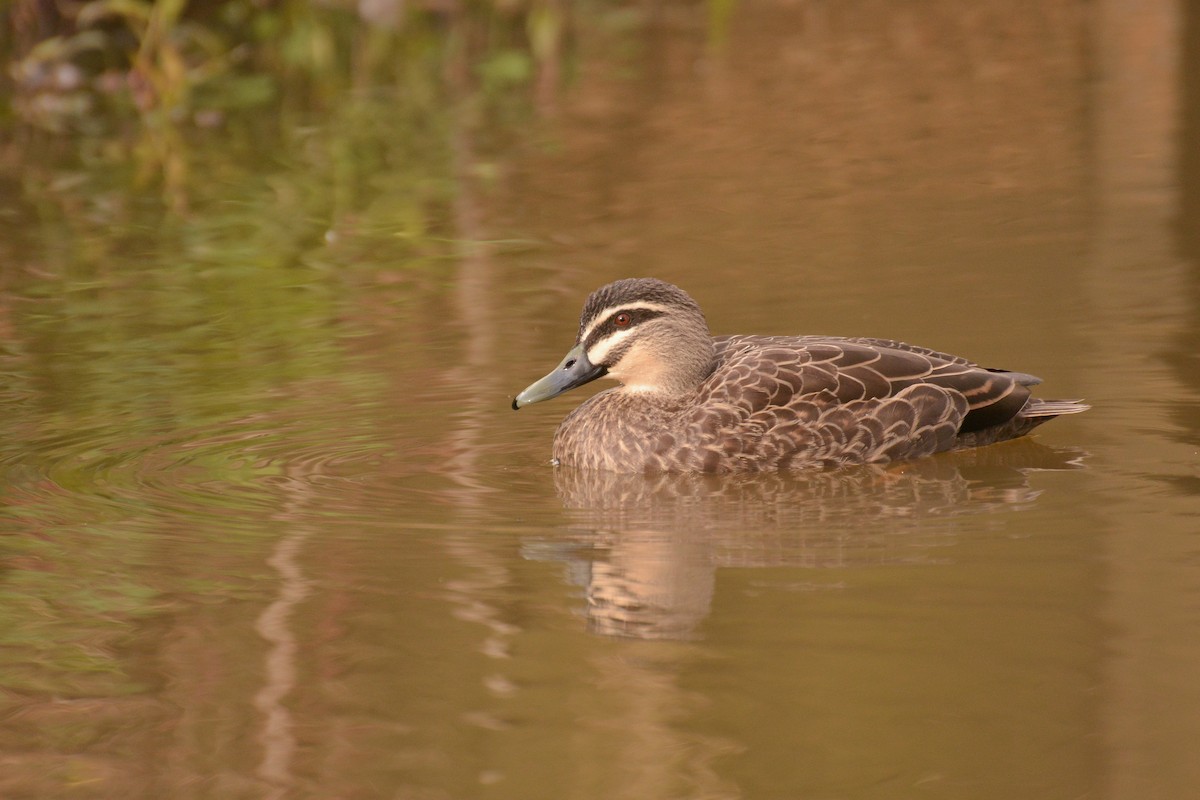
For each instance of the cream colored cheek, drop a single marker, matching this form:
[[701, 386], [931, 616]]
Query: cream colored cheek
[[638, 370]]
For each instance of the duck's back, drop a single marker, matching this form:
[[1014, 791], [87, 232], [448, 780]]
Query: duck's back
[[768, 371], [834, 400]]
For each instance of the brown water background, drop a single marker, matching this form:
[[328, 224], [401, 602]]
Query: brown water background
[[268, 527]]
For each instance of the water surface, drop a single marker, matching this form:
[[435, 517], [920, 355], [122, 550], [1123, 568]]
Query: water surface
[[270, 528]]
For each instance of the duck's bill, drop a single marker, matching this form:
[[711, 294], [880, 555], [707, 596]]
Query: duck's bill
[[574, 370]]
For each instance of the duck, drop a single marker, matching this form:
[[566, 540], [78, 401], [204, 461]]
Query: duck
[[688, 401]]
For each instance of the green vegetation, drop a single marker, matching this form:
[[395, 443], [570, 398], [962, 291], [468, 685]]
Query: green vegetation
[[153, 84]]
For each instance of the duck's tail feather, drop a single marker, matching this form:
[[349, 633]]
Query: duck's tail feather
[[1052, 408]]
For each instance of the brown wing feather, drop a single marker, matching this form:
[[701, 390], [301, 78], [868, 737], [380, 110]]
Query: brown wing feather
[[776, 370], [892, 344]]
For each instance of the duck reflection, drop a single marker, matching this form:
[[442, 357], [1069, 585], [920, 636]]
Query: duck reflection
[[646, 547]]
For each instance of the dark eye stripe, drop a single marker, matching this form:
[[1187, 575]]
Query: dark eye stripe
[[636, 317]]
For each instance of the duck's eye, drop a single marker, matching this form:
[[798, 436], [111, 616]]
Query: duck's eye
[[622, 320]]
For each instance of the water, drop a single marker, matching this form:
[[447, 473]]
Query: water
[[270, 528]]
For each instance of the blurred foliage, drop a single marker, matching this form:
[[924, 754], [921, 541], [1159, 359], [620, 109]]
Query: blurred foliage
[[144, 81]]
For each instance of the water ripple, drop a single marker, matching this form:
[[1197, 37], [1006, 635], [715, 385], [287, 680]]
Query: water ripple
[[207, 470]]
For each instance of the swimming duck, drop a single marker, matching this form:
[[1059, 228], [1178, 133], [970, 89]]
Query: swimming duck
[[692, 402]]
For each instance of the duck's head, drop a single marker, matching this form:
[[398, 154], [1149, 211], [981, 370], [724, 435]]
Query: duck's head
[[647, 334]]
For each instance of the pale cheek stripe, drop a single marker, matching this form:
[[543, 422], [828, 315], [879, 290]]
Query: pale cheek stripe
[[602, 348], [608, 312]]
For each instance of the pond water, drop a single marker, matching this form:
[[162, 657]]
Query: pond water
[[269, 528]]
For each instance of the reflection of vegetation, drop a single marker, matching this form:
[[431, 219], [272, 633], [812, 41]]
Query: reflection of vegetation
[[211, 177], [218, 167], [197, 201]]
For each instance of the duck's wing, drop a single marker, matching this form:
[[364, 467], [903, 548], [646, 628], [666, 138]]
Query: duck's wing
[[759, 372], [775, 404], [889, 344]]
